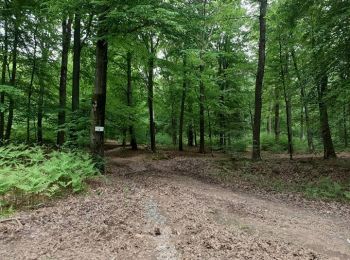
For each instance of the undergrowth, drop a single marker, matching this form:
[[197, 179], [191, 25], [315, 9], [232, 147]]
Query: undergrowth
[[30, 174], [264, 175], [325, 187]]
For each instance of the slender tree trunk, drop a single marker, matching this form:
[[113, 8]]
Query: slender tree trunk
[[195, 136], [174, 126], [40, 112], [259, 82], [304, 103], [201, 112], [328, 147], [345, 125], [221, 101], [190, 137], [133, 141], [76, 63], [3, 80], [183, 100], [99, 97], [66, 35], [269, 120], [277, 128], [150, 100], [30, 91], [301, 122], [13, 81], [287, 98]]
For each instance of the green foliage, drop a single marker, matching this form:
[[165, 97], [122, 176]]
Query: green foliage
[[325, 187], [27, 172], [240, 145], [269, 143]]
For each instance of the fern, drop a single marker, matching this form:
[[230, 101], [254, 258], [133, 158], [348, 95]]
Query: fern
[[26, 172]]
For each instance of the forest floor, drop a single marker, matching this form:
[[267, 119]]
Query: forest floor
[[188, 206]]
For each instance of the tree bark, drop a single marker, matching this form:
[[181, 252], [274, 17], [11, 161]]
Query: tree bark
[[3, 80], [201, 112], [133, 141], [12, 81], [150, 85], [328, 146], [76, 63], [40, 112], [304, 104], [183, 100], [99, 97], [345, 126], [277, 128], [287, 98], [259, 82], [66, 35], [30, 90]]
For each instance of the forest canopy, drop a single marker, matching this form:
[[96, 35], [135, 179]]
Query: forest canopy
[[218, 75]]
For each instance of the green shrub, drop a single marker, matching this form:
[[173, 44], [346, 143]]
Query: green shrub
[[240, 145], [327, 188], [26, 172], [269, 143]]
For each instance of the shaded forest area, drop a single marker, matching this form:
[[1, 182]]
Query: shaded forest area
[[231, 76], [177, 74], [157, 110]]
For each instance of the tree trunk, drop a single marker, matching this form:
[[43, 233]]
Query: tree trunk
[[182, 109], [133, 141], [328, 147], [3, 81], [13, 81], [99, 97], [287, 98], [30, 91], [201, 112], [221, 84], [277, 128], [304, 104], [150, 98], [40, 112], [345, 125], [259, 82], [76, 62], [66, 35], [190, 135], [42, 68]]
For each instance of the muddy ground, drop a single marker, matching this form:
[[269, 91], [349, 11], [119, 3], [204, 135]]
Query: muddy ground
[[168, 207]]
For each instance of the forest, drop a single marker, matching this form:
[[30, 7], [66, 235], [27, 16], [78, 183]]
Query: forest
[[239, 109]]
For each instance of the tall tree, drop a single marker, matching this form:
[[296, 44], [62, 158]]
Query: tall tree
[[259, 81], [183, 100], [129, 98], [13, 76], [99, 97], [66, 37], [3, 75]]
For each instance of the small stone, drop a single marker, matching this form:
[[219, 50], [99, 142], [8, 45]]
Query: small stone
[[157, 232]]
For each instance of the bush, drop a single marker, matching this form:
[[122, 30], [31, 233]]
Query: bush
[[26, 172], [327, 188], [268, 143], [240, 145]]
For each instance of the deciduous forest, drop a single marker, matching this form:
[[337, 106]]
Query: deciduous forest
[[120, 121]]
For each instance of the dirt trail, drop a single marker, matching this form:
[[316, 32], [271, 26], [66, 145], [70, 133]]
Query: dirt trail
[[154, 209]]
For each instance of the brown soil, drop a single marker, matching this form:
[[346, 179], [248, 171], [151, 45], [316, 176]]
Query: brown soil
[[160, 207]]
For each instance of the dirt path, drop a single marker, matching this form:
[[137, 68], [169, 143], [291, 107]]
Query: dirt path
[[153, 209]]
